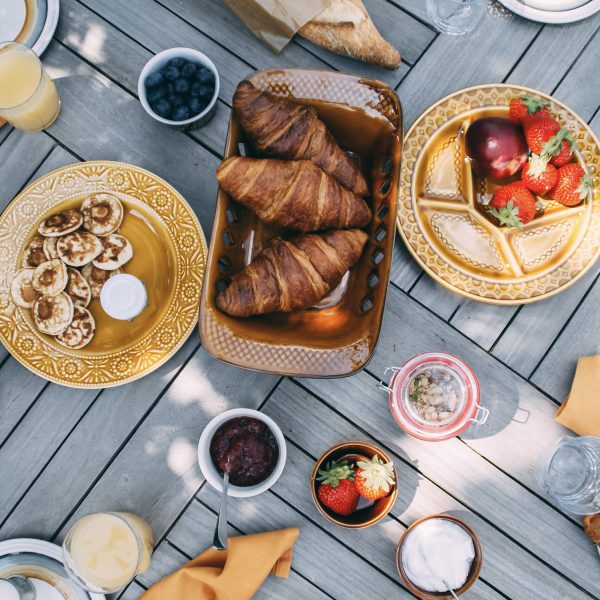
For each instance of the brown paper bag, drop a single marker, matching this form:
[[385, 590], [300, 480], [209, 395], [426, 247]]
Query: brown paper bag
[[276, 21]]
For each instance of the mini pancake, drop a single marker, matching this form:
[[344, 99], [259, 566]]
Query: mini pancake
[[97, 277], [53, 314], [50, 278], [21, 290], [116, 251], [34, 255], [50, 248], [78, 248], [78, 288], [102, 214], [81, 330], [61, 223]]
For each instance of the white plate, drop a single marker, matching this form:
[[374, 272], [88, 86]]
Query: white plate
[[43, 549], [49, 27], [32, 22], [549, 16], [555, 5]]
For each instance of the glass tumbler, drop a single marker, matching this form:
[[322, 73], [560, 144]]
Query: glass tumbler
[[103, 552], [28, 96], [570, 474], [456, 17]]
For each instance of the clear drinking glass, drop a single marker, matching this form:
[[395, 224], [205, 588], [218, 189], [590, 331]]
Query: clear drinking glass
[[28, 96], [570, 474], [456, 16], [103, 552]]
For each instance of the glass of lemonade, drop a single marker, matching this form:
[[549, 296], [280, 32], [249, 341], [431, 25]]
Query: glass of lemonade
[[103, 552], [28, 96]]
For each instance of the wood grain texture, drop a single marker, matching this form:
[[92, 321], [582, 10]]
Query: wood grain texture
[[134, 447]]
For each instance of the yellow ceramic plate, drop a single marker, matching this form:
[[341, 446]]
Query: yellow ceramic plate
[[442, 222], [169, 257]]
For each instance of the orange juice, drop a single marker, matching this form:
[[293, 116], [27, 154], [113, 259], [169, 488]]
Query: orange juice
[[105, 551], [28, 96]]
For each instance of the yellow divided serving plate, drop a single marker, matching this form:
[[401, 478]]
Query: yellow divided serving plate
[[169, 256], [443, 222]]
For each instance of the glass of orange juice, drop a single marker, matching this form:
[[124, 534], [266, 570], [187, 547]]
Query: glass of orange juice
[[28, 96], [103, 552]]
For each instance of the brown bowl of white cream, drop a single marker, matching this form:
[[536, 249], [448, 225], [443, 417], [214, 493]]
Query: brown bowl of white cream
[[437, 554]]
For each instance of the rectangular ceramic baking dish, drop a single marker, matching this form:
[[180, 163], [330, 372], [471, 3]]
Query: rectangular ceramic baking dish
[[337, 337]]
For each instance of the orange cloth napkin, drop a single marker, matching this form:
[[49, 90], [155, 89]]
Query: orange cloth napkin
[[580, 410], [235, 574]]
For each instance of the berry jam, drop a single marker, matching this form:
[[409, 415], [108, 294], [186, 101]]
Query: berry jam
[[246, 449]]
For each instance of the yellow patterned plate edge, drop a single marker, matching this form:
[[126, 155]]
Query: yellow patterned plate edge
[[405, 196], [191, 252]]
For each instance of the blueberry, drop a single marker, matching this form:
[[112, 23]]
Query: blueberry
[[196, 105], [181, 113], [182, 87], [188, 70], [154, 95], [175, 100], [162, 108], [178, 62], [206, 91], [172, 73], [170, 88], [195, 89], [154, 80], [205, 75]]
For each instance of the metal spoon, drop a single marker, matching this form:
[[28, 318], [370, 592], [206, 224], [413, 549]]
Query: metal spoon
[[220, 537], [450, 590]]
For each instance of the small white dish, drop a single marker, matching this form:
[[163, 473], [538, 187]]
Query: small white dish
[[156, 63], [208, 468], [553, 16], [555, 5], [123, 297]]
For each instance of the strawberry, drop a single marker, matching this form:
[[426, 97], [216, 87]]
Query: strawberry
[[524, 106], [543, 112], [513, 205], [538, 175], [573, 186], [562, 154], [337, 491], [546, 138], [374, 478]]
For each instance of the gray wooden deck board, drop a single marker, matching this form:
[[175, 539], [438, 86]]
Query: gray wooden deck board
[[142, 455]]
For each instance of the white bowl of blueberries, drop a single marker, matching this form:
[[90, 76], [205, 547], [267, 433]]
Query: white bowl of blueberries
[[179, 87]]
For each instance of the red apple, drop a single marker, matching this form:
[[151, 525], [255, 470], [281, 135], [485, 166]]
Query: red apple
[[496, 147]]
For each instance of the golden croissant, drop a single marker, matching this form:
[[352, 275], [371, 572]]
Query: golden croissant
[[283, 129], [295, 194], [293, 274]]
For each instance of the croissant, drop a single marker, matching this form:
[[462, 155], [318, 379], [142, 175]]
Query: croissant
[[283, 129], [295, 194], [294, 274]]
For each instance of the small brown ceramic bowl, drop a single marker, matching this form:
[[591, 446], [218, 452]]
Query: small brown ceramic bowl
[[362, 517], [473, 573]]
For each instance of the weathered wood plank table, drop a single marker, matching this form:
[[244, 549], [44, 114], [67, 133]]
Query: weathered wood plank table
[[66, 452]]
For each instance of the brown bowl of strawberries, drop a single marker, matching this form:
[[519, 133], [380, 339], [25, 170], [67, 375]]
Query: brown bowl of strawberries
[[354, 484]]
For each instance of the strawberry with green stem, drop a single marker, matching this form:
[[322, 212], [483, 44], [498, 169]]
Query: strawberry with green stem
[[374, 478], [538, 175], [574, 185], [513, 205], [546, 138], [525, 106], [337, 491]]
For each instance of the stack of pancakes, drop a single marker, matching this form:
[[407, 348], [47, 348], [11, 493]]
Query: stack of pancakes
[[49, 282]]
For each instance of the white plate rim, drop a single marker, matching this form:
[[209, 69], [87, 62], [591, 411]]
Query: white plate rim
[[548, 16], [38, 547], [566, 4], [45, 37]]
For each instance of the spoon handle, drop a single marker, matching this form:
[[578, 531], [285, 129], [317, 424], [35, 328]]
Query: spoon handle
[[220, 538], [450, 590]]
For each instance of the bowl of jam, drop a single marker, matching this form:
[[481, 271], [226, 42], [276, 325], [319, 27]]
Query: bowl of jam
[[246, 444]]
